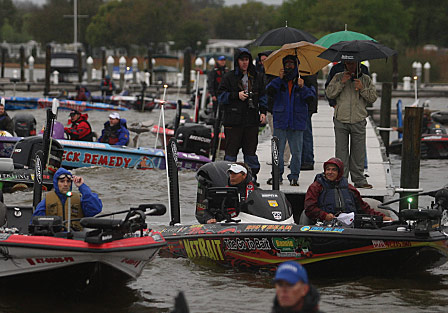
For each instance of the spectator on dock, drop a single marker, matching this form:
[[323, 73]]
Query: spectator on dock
[[308, 142], [240, 177], [84, 203], [107, 86], [80, 128], [115, 131], [6, 122], [214, 79], [288, 96], [330, 194], [241, 94], [293, 291], [353, 91]]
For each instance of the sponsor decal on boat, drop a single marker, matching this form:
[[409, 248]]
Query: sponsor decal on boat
[[247, 244], [35, 261], [385, 244], [270, 227], [96, 159], [132, 262], [208, 248], [273, 203], [322, 229]]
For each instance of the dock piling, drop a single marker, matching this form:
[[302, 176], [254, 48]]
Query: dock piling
[[386, 102]]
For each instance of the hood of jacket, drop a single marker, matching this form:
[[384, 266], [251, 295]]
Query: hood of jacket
[[238, 52], [338, 162], [56, 175]]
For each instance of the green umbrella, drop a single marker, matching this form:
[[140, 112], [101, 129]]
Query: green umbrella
[[345, 35]]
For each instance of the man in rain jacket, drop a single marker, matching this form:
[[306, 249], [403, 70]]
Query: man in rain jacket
[[80, 128], [115, 131]]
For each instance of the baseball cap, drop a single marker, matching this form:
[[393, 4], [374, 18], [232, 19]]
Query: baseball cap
[[236, 168], [291, 272], [73, 112], [222, 57], [114, 115]]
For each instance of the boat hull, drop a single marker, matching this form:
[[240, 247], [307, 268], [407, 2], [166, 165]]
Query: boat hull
[[433, 146], [264, 246]]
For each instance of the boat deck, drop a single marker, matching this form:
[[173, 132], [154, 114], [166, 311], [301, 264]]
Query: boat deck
[[324, 148]]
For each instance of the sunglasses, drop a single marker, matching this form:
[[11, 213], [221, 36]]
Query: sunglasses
[[64, 176]]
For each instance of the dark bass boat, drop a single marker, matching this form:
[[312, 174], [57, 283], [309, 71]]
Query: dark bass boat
[[434, 144], [269, 230], [107, 250]]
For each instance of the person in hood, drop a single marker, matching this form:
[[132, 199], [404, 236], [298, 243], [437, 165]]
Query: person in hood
[[294, 293], [330, 194], [240, 177], [242, 97], [115, 131], [214, 79], [6, 122], [80, 128], [353, 92], [84, 203], [288, 96]]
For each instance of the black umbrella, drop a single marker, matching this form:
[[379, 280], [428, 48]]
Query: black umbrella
[[356, 50], [283, 35]]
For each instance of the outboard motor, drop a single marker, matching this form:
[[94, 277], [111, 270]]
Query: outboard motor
[[209, 175], [25, 150], [194, 138], [24, 124], [268, 204]]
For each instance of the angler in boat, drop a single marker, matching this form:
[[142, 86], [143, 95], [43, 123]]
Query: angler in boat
[[115, 131], [84, 203], [6, 122], [80, 128], [331, 194], [239, 177]]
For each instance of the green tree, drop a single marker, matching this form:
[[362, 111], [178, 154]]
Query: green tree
[[189, 34], [7, 13]]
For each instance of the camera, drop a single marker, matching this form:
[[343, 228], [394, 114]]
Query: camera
[[250, 100], [352, 78]]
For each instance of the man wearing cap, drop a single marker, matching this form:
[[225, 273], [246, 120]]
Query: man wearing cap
[[288, 96], [239, 177], [241, 94], [294, 293], [214, 79], [84, 203], [6, 122], [80, 128], [115, 131]]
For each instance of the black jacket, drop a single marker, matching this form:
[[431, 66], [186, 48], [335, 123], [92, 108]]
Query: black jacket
[[214, 78], [311, 80], [311, 304], [6, 123], [237, 112]]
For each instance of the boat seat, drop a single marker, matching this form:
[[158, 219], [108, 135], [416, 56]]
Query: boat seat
[[305, 220]]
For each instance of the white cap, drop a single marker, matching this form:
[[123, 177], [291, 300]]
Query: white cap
[[236, 168], [114, 115]]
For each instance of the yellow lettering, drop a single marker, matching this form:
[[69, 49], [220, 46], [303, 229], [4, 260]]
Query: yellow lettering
[[211, 254], [202, 247], [217, 248], [188, 249]]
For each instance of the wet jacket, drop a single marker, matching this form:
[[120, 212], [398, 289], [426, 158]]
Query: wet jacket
[[115, 135], [324, 197], [310, 305], [351, 104], [214, 79], [6, 123], [236, 111], [311, 80], [80, 129], [289, 111], [90, 203]]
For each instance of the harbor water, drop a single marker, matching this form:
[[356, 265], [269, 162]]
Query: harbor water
[[217, 289]]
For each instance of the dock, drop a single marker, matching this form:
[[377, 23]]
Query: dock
[[324, 148]]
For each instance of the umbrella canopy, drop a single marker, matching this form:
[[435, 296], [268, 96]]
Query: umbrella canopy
[[306, 52], [345, 35], [357, 50], [283, 35]]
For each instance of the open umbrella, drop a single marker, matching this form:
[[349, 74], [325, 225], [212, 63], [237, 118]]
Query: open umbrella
[[356, 50], [345, 35], [306, 52], [283, 35]]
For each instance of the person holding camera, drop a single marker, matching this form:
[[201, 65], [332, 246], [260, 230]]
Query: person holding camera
[[241, 95], [353, 91], [287, 100]]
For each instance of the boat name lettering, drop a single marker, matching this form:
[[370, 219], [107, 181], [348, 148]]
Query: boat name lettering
[[322, 229], [97, 159], [199, 138], [247, 244], [135, 263], [381, 244], [269, 195], [268, 227], [208, 248], [34, 261]]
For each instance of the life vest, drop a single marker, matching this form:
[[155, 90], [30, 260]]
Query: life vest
[[110, 135], [89, 136], [53, 206], [336, 198]]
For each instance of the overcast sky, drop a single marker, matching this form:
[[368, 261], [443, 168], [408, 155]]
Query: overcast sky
[[228, 2]]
